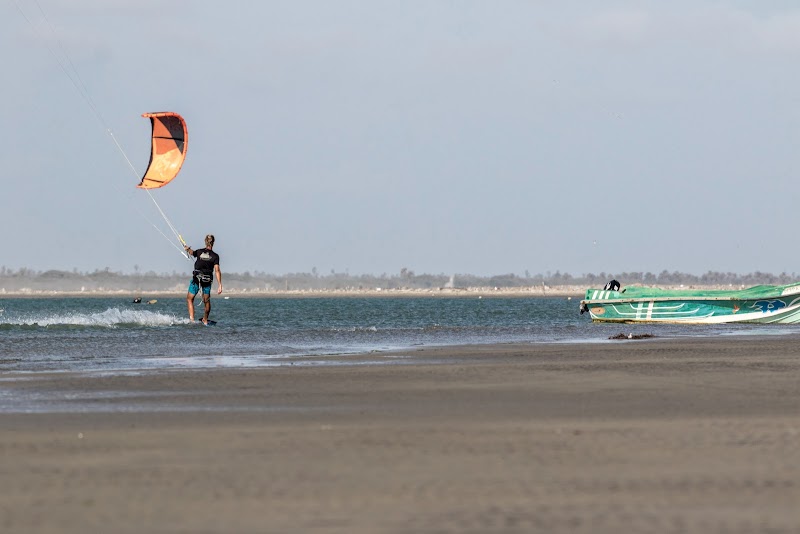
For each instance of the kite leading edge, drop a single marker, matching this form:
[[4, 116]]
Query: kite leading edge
[[170, 139]]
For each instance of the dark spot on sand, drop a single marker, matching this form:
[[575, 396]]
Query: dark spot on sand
[[632, 336]]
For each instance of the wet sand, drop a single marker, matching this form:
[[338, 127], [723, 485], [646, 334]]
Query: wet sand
[[631, 436]]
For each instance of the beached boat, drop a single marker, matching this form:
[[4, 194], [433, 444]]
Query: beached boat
[[758, 304]]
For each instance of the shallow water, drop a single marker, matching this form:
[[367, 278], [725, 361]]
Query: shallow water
[[114, 334]]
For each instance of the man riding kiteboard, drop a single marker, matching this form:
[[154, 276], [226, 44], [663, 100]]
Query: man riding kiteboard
[[205, 268]]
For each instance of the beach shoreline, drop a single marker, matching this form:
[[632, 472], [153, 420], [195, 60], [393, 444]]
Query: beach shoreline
[[665, 435], [565, 291], [572, 292]]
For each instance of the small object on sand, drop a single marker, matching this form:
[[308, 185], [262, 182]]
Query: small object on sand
[[632, 336]]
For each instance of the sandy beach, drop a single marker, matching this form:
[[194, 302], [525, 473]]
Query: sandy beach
[[682, 435]]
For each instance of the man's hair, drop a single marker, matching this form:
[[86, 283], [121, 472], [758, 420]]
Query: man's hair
[[209, 240]]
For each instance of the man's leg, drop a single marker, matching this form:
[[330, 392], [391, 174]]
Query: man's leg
[[207, 306], [190, 304]]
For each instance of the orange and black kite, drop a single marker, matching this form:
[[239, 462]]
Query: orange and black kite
[[170, 140]]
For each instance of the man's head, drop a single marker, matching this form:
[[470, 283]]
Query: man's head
[[209, 241]]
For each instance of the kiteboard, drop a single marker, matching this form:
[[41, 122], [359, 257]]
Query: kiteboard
[[208, 323]]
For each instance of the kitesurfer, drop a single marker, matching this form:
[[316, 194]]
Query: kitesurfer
[[613, 285], [205, 268]]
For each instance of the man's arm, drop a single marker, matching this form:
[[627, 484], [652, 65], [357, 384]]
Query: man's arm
[[218, 272]]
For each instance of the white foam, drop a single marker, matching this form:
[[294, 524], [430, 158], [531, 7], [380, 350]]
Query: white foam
[[109, 318]]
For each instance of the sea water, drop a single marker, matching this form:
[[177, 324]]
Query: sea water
[[113, 334]]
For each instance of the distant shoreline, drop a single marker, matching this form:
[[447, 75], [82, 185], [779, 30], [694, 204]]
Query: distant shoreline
[[488, 292], [312, 293]]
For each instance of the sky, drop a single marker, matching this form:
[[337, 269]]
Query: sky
[[452, 136]]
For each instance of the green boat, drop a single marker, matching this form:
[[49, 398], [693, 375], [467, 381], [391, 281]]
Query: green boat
[[758, 304]]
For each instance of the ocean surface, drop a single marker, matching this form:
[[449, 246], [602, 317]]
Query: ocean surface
[[91, 334]]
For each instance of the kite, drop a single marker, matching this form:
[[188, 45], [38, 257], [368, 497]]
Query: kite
[[170, 139]]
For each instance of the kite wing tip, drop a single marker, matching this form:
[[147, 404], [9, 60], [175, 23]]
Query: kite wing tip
[[152, 114]]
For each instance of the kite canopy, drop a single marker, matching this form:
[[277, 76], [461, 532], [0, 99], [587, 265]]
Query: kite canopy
[[170, 140]]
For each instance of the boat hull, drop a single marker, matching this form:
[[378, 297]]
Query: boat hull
[[760, 304]]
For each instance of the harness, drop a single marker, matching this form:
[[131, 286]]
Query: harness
[[202, 278]]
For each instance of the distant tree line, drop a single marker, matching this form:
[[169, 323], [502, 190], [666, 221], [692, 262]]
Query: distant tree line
[[105, 279]]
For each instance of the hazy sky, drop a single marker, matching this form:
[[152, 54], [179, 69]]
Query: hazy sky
[[449, 136]]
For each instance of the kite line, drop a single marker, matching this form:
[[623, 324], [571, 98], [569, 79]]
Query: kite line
[[68, 68]]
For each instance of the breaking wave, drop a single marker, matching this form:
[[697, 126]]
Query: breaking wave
[[110, 318]]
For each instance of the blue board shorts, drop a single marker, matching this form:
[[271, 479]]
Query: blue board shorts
[[194, 287]]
